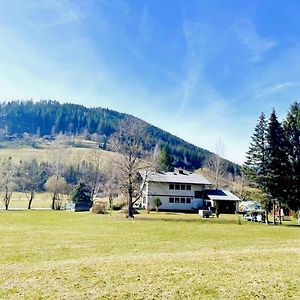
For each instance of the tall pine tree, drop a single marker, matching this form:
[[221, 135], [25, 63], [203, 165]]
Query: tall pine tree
[[292, 132], [277, 165], [256, 161]]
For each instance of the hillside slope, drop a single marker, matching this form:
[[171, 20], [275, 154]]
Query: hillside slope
[[48, 118]]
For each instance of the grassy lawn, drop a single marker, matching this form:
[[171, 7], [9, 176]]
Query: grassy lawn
[[43, 154], [64, 255], [19, 200], [43, 200]]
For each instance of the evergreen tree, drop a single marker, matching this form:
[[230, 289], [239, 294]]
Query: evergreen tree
[[164, 160], [81, 194], [157, 203], [277, 164], [256, 161], [292, 132]]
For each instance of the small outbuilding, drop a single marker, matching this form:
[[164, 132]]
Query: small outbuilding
[[227, 202]]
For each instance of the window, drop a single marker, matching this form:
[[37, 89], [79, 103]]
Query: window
[[188, 187], [176, 200], [182, 200], [171, 186], [171, 200], [188, 200], [177, 186], [182, 187]]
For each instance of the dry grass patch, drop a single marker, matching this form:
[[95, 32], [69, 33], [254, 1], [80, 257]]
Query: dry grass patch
[[63, 255]]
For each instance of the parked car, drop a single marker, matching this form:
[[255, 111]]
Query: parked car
[[254, 217]]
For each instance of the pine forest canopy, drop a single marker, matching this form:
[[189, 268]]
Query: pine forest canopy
[[273, 160], [51, 118]]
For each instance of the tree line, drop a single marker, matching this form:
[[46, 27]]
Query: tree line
[[273, 161], [50, 118], [61, 176]]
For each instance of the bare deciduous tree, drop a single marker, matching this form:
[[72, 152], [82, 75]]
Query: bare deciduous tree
[[217, 163], [56, 185], [97, 174], [7, 180], [129, 142], [57, 154], [112, 183], [30, 180]]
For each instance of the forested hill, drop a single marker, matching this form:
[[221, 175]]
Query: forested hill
[[48, 118]]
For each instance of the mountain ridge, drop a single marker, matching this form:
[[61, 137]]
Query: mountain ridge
[[49, 118]]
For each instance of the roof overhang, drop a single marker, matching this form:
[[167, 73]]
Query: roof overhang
[[171, 177], [221, 195]]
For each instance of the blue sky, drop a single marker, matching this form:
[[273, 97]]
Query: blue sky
[[202, 70]]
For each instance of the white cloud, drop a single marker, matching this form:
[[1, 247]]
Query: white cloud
[[250, 38], [275, 89], [62, 12], [145, 26]]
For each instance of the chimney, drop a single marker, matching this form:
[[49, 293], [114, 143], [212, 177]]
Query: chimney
[[179, 171]]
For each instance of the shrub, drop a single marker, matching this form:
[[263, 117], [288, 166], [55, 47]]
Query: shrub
[[125, 210], [99, 207], [58, 205], [157, 203], [119, 205]]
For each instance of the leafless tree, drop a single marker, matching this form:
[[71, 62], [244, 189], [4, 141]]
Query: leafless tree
[[57, 155], [92, 173], [129, 142], [216, 163], [30, 178], [112, 182], [7, 180], [56, 185]]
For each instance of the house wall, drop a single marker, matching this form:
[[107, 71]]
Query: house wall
[[161, 190]]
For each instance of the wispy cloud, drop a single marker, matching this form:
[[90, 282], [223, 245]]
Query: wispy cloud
[[52, 13], [195, 36], [250, 38], [275, 89], [145, 27]]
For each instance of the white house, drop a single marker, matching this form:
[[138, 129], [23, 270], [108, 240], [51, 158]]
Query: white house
[[182, 191], [179, 190]]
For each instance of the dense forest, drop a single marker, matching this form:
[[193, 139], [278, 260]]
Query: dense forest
[[273, 161], [49, 118]]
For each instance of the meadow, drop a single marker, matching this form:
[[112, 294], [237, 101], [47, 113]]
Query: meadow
[[44, 154], [65, 255]]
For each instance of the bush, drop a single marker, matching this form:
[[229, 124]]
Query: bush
[[119, 205], [157, 203], [58, 205], [99, 207], [125, 210]]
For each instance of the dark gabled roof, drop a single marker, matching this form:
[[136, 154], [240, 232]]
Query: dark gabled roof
[[175, 177], [216, 194]]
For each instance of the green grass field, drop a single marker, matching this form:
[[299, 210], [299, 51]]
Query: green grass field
[[64, 255], [27, 153]]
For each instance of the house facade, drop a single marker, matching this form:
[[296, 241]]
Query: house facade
[[184, 191], [179, 190]]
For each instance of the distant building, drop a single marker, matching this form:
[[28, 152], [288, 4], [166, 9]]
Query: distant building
[[227, 201], [184, 191]]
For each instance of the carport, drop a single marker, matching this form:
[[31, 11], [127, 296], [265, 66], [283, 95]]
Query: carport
[[227, 202]]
